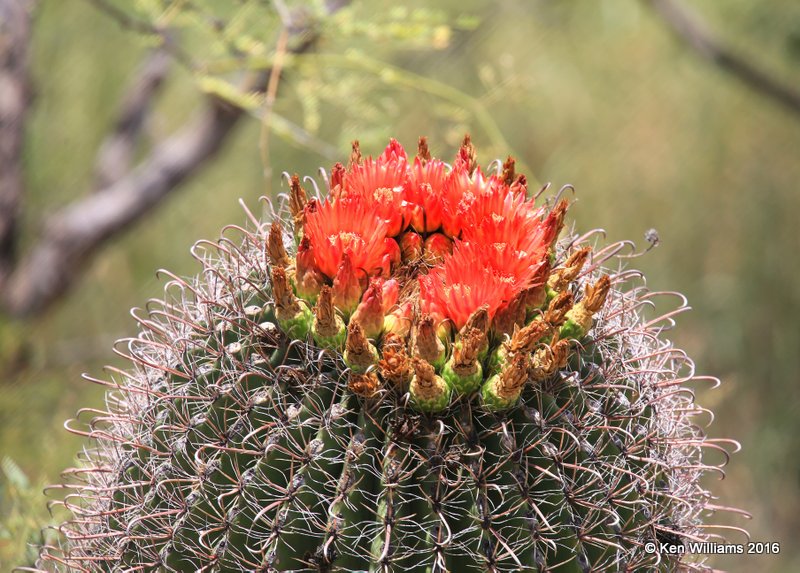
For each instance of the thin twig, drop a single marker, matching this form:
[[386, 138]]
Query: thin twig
[[696, 34]]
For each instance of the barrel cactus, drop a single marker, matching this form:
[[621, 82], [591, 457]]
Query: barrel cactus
[[413, 373]]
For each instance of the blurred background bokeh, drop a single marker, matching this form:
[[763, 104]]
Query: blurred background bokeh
[[601, 95]]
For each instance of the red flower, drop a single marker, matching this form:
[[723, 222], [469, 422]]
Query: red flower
[[464, 194], [463, 283], [353, 226], [381, 181], [502, 239], [499, 258], [518, 234], [424, 194]]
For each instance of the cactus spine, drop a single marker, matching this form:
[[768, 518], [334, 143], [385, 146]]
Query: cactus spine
[[430, 381]]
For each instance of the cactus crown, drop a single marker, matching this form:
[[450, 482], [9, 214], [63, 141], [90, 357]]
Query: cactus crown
[[418, 376]]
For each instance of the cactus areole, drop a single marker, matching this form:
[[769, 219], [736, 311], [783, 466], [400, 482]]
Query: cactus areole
[[413, 372]]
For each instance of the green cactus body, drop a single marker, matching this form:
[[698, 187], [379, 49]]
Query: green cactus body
[[236, 443]]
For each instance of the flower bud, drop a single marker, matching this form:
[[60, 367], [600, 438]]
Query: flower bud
[[391, 259], [398, 321], [308, 279], [411, 246], [390, 291], [436, 247], [346, 287], [369, 313]]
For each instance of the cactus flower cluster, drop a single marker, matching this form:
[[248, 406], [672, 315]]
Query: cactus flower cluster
[[430, 279], [412, 373]]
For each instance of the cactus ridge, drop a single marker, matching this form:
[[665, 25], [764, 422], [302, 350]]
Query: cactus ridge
[[230, 446]]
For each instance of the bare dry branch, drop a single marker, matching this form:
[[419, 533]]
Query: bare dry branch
[[15, 94], [695, 33], [73, 235], [117, 151]]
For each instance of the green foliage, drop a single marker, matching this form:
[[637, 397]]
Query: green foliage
[[23, 516]]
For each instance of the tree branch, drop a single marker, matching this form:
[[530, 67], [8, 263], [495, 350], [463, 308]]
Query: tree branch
[[15, 94], [73, 235], [696, 34], [117, 150]]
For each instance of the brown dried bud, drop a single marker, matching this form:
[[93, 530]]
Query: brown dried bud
[[468, 155], [423, 153], [556, 218], [365, 385], [301, 218], [425, 373], [359, 354], [582, 315], [549, 359], [325, 323], [511, 315], [536, 294], [560, 278], [525, 339], [276, 252], [479, 319], [355, 154], [465, 351], [395, 365], [286, 304], [519, 186], [426, 343], [595, 295], [297, 197], [337, 176], [513, 377], [557, 311], [508, 171]]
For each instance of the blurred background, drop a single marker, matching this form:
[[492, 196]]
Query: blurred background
[[690, 129]]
